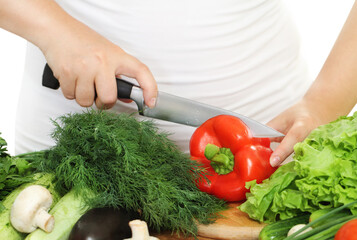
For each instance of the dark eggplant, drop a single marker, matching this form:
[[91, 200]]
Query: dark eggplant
[[104, 224]]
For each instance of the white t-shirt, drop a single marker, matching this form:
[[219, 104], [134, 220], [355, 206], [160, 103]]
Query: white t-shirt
[[235, 54]]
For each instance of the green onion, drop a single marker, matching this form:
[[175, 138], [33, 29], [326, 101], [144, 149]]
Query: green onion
[[312, 233], [327, 233], [327, 215]]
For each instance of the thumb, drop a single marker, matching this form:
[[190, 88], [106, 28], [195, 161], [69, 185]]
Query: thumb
[[132, 67]]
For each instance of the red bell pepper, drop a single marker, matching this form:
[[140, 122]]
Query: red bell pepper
[[225, 146]]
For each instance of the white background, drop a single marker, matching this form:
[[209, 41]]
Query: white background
[[318, 21]]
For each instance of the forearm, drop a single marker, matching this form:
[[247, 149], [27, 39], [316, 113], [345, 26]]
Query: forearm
[[38, 21], [334, 91]]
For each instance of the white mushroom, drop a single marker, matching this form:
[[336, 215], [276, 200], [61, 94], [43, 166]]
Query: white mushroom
[[140, 231], [30, 210]]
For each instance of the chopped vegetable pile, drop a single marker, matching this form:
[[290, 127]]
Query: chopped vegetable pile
[[113, 160], [323, 175]]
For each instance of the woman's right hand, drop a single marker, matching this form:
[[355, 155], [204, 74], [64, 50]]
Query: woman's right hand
[[81, 59]]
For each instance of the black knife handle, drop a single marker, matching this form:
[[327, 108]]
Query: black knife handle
[[123, 87]]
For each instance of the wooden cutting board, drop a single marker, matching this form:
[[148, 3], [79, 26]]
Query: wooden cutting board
[[234, 225]]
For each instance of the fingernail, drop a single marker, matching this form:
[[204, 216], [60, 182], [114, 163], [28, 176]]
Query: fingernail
[[274, 161], [152, 102]]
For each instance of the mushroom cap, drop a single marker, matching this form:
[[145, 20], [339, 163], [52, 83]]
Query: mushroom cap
[[28, 209]]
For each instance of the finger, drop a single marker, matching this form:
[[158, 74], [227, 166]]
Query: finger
[[68, 88], [67, 81], [296, 134], [106, 87], [280, 124], [85, 90], [131, 67]]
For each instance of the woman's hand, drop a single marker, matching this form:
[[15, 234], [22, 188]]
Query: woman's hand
[[296, 123], [299, 120], [82, 60], [332, 94]]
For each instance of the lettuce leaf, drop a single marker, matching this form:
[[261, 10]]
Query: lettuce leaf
[[322, 175]]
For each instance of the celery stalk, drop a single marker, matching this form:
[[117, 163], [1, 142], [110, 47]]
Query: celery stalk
[[66, 213]]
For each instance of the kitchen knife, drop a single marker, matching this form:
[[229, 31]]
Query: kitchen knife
[[173, 108]]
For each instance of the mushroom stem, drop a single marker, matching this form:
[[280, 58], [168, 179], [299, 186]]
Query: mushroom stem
[[140, 231], [44, 220]]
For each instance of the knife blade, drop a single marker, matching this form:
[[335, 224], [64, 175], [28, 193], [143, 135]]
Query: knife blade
[[173, 108]]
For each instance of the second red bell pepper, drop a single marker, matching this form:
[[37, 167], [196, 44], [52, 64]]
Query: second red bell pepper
[[225, 146]]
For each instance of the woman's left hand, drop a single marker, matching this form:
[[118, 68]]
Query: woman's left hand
[[296, 123]]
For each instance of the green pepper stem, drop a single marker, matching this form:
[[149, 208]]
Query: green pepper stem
[[222, 159], [211, 150]]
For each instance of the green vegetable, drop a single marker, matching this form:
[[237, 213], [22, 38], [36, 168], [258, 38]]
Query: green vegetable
[[66, 213], [3, 149], [280, 229], [14, 170], [6, 230], [321, 212], [275, 198], [128, 164], [326, 230], [323, 175], [329, 232]]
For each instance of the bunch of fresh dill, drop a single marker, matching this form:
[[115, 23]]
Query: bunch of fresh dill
[[129, 164]]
